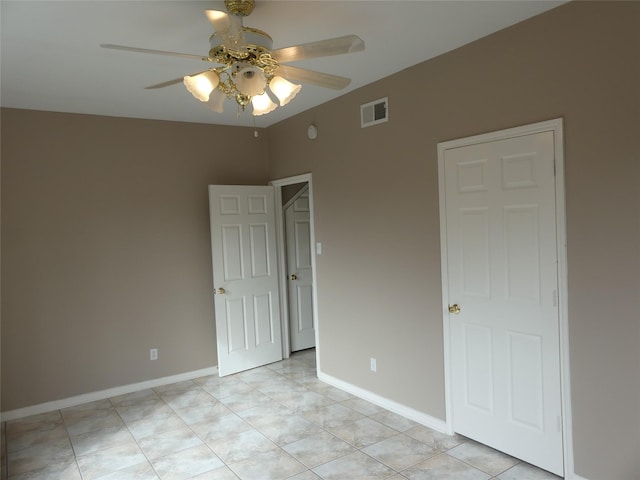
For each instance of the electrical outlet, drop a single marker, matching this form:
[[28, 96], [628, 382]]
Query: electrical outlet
[[373, 362], [153, 354]]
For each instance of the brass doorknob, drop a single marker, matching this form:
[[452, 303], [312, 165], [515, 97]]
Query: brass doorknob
[[219, 291], [455, 308], [293, 276]]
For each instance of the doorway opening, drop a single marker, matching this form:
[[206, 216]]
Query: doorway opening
[[299, 274], [297, 263]]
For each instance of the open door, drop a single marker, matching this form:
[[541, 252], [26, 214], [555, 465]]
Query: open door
[[245, 276], [297, 215]]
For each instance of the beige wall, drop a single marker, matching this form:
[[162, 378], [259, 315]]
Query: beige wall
[[105, 248], [376, 200]]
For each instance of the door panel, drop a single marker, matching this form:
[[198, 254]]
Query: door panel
[[478, 374], [526, 401], [232, 252], [474, 249], [259, 255], [246, 303], [502, 272], [235, 320], [522, 255], [298, 237]]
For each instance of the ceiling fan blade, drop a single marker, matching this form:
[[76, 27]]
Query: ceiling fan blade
[[314, 78], [227, 27], [221, 21], [156, 52], [165, 84], [175, 81], [322, 48]]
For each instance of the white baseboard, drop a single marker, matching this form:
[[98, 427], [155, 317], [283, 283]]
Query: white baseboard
[[395, 407], [102, 394]]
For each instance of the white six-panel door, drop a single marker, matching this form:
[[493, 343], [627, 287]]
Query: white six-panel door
[[503, 277], [300, 272], [245, 280]]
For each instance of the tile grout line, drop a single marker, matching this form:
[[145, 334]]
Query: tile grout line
[[4, 472], [293, 374], [73, 448], [133, 436]]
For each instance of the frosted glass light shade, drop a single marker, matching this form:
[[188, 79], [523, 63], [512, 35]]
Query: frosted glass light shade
[[283, 89], [216, 101], [251, 81], [201, 85], [262, 104]]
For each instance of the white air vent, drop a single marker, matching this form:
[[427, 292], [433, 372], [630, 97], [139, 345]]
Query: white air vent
[[374, 112]]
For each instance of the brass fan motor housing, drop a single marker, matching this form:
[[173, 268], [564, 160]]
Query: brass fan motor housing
[[241, 8], [256, 44]]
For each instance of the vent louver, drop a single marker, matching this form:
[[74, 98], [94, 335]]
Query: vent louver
[[374, 112]]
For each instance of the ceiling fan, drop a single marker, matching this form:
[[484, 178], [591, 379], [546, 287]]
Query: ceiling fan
[[246, 64]]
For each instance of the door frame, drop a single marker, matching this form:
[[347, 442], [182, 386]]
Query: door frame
[[555, 126], [282, 260]]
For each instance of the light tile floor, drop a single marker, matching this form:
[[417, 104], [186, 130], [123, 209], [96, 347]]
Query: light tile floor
[[273, 422]]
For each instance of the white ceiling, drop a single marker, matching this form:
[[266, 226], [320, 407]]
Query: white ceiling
[[51, 59]]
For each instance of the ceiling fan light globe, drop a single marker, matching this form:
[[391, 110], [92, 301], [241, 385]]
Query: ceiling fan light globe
[[251, 81], [262, 104], [283, 89], [216, 101], [201, 85]]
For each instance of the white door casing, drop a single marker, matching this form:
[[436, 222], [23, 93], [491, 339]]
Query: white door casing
[[245, 276], [299, 271], [500, 265], [278, 184]]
